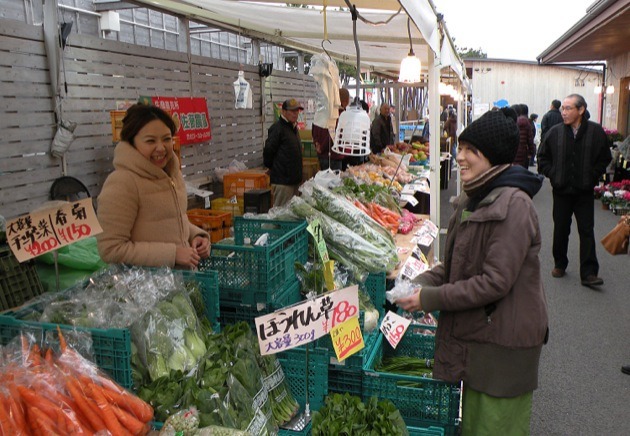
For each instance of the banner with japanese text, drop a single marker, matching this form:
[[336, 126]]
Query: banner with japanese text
[[190, 115], [303, 323], [49, 229]]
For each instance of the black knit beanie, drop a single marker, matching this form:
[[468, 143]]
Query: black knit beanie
[[495, 134]]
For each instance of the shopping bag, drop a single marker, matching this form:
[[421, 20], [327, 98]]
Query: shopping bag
[[616, 241]]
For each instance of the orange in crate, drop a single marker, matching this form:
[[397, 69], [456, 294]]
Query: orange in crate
[[238, 183]]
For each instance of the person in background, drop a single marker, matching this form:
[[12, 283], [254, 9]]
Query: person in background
[[283, 154], [381, 131], [323, 141], [450, 128], [526, 146], [574, 155], [142, 206], [493, 310], [532, 122], [426, 133], [551, 118]]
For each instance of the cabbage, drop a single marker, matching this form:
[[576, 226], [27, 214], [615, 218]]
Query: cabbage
[[194, 343]]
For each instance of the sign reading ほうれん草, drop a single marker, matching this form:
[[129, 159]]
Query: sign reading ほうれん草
[[303, 323], [46, 230]]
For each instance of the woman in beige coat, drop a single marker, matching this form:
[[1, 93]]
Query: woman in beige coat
[[142, 206]]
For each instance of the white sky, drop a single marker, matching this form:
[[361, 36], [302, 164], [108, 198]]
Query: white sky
[[506, 29]]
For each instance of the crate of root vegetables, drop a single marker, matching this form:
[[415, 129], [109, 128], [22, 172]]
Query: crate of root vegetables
[[403, 375]]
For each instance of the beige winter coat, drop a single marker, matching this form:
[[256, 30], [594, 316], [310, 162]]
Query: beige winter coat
[[142, 210]]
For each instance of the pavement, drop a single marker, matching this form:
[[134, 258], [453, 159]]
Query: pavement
[[582, 390]]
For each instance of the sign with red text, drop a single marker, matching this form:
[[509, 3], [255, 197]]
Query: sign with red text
[[190, 115], [49, 229], [303, 323], [347, 338], [394, 327]]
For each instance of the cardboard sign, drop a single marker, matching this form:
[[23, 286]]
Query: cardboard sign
[[347, 338], [43, 231], [394, 327], [320, 244], [190, 115], [329, 275], [303, 323]]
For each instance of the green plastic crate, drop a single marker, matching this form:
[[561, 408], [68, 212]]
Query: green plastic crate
[[306, 432], [234, 313], [425, 431], [375, 287], [19, 282], [294, 366], [253, 275], [111, 348], [308, 149], [341, 380], [434, 403]]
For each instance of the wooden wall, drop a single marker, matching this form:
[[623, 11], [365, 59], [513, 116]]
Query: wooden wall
[[98, 73]]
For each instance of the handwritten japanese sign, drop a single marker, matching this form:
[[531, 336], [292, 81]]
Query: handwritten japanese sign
[[394, 327], [315, 229], [303, 323], [43, 231], [347, 338]]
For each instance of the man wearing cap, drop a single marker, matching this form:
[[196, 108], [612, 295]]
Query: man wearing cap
[[574, 155], [283, 154]]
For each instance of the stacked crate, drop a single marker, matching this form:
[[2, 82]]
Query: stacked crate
[[19, 282], [216, 222]]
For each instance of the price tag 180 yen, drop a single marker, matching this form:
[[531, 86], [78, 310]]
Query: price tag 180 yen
[[347, 338], [394, 327]]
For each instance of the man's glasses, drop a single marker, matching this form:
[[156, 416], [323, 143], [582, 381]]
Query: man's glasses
[[567, 108]]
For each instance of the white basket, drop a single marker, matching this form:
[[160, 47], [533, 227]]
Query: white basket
[[352, 137]]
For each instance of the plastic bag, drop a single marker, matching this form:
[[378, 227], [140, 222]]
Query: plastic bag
[[402, 288], [63, 138], [328, 179]]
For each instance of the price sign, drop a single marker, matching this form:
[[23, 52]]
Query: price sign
[[320, 244], [46, 230], [394, 327], [329, 275], [304, 322], [347, 338]]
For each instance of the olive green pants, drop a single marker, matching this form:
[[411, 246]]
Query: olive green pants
[[282, 194], [485, 415]]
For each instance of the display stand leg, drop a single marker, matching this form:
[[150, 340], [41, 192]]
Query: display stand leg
[[56, 259]]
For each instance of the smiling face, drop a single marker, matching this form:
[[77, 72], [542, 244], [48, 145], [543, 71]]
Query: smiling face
[[471, 161], [155, 142]]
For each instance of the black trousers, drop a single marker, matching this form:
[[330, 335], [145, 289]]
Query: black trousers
[[564, 207]]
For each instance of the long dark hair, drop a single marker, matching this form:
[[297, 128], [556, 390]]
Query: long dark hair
[[138, 116]]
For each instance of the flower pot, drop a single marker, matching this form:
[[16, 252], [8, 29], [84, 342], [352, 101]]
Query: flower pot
[[604, 206]]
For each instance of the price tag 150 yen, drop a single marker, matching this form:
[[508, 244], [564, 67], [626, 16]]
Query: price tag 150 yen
[[394, 327], [347, 338], [320, 244]]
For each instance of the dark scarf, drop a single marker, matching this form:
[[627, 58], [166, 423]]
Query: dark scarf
[[501, 175]]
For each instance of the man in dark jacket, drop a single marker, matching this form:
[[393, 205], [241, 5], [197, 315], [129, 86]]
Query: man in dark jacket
[[381, 131], [551, 118], [574, 155], [283, 154]]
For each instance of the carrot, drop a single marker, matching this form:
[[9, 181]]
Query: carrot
[[61, 422], [83, 404], [42, 422], [108, 415], [130, 422], [33, 399], [62, 341], [6, 424], [127, 401], [17, 412], [49, 356]]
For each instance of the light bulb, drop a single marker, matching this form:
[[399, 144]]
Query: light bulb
[[410, 68], [597, 89], [610, 89]]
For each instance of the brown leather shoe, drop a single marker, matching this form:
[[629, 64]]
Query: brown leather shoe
[[557, 272], [592, 280]]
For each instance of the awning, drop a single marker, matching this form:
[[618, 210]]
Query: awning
[[603, 33], [382, 47]]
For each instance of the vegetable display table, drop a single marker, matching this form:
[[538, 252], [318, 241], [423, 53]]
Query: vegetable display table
[[406, 245]]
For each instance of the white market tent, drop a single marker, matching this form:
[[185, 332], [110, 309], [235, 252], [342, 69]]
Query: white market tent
[[382, 46]]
